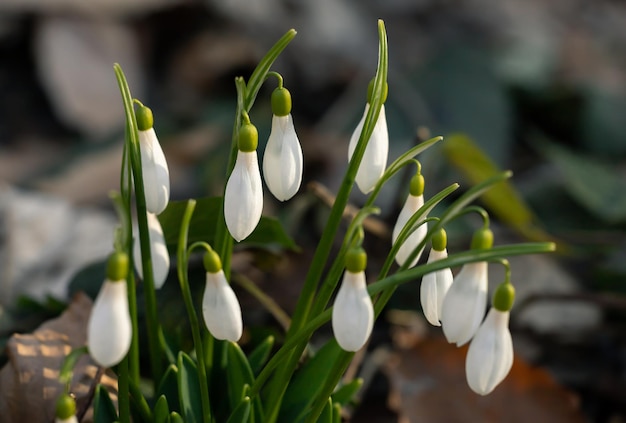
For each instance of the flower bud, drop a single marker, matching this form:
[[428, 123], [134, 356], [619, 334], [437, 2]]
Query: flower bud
[[158, 252], [220, 308], [156, 175]]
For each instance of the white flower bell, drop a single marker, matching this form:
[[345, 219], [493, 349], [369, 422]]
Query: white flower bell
[[156, 175], [158, 252], [353, 312], [490, 355], [109, 330], [282, 161], [413, 203], [465, 303], [220, 307], [435, 285], [243, 198], [374, 159]]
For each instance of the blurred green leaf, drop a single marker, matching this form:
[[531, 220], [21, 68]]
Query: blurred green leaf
[[603, 122], [176, 418], [168, 387], [258, 357], [269, 232], [189, 389], [241, 413], [161, 410], [240, 378], [327, 413], [345, 393], [103, 408], [307, 382], [598, 186], [502, 199]]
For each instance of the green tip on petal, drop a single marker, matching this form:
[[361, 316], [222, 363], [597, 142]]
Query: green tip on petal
[[482, 239], [370, 91], [417, 185], [144, 118], [212, 262], [66, 407], [281, 101], [117, 266], [356, 260], [504, 297], [440, 240], [248, 138]]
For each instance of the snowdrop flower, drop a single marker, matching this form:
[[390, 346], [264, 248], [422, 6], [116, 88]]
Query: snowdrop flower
[[413, 202], [435, 285], [490, 355], [156, 175], [243, 198], [65, 410], [158, 252], [109, 328], [375, 157], [464, 304], [220, 307], [282, 161], [353, 312]]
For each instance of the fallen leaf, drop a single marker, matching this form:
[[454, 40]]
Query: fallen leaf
[[29, 385], [428, 385]]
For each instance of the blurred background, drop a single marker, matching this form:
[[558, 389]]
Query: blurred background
[[535, 87]]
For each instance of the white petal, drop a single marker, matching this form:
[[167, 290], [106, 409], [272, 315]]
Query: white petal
[[243, 198], [158, 252], [464, 305], [109, 329], [282, 161], [434, 287], [221, 309], [353, 312], [411, 205], [156, 176], [375, 157], [71, 419], [490, 355]]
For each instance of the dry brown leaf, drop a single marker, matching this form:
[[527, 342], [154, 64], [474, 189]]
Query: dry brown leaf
[[428, 385], [29, 385]]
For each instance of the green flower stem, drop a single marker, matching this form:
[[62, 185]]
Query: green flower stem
[[134, 156], [67, 367], [280, 382], [246, 95], [393, 281], [338, 369], [140, 402], [191, 311], [123, 382]]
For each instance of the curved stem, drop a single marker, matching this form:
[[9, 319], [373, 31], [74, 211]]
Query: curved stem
[[191, 310]]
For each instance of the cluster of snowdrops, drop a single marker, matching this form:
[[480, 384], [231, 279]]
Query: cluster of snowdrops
[[456, 303]]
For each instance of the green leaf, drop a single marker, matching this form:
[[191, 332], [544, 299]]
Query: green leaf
[[161, 410], [176, 418], [168, 387], [241, 413], [258, 357], [502, 199], [306, 383], [240, 378], [336, 413], [203, 225], [103, 408], [189, 389], [344, 394], [598, 186], [327, 413]]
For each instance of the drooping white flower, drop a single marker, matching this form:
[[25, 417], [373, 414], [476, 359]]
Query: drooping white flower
[[434, 287], [353, 312], [465, 303], [109, 329], [282, 162], [156, 175], [490, 355], [243, 198], [411, 205], [158, 252], [221, 309], [374, 159]]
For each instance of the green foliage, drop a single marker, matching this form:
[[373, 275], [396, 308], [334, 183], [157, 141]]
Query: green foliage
[[103, 408], [189, 389]]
